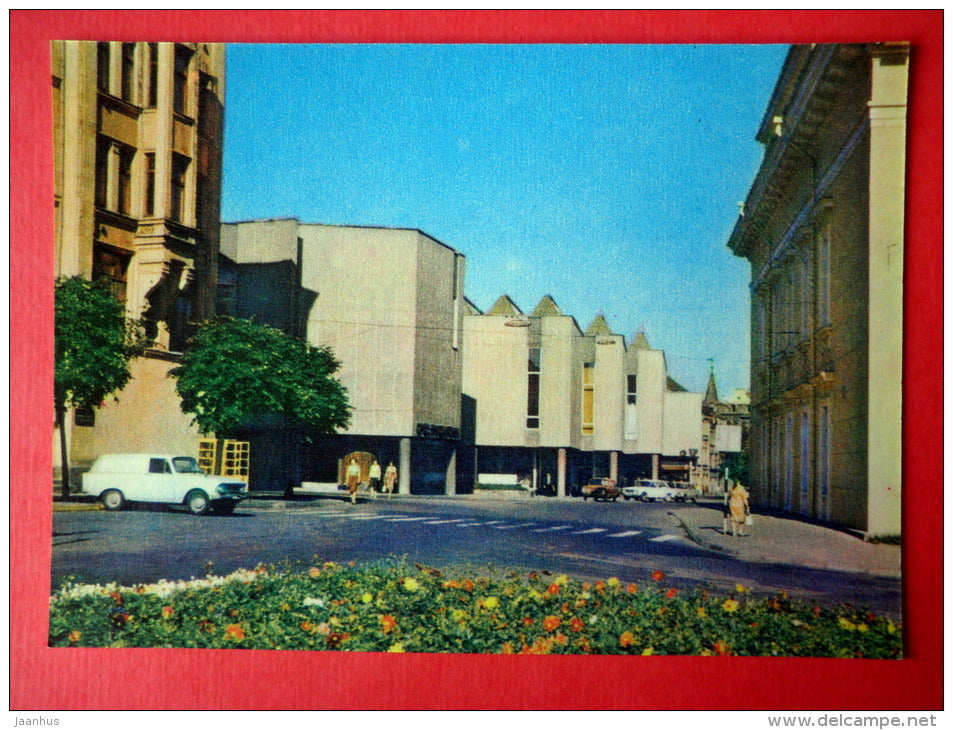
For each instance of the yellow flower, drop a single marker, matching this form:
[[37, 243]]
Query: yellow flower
[[411, 585], [285, 607], [458, 615], [648, 651], [314, 572], [561, 580], [891, 627], [702, 613], [397, 648], [626, 639], [863, 627], [730, 606], [846, 624], [367, 598], [75, 636], [491, 602], [613, 582], [740, 588]]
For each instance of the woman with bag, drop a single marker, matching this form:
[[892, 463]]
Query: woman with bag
[[739, 508]]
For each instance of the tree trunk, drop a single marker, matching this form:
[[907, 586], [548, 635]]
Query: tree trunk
[[64, 454]]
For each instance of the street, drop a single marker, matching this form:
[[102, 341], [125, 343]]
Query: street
[[586, 540]]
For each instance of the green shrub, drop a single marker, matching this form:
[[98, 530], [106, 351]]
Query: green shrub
[[396, 607]]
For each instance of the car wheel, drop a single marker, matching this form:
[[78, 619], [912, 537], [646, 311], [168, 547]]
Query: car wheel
[[667, 498], [226, 508], [197, 502], [112, 500], [644, 497]]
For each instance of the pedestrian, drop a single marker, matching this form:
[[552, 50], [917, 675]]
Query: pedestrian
[[390, 479], [353, 474], [374, 476], [725, 510], [740, 509]]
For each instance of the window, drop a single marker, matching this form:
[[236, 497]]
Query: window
[[588, 404], [823, 277], [180, 168], [84, 416], [150, 191], [124, 188], [805, 299], [180, 100], [128, 76], [102, 66], [153, 75], [111, 264], [788, 462], [532, 388], [103, 148], [824, 461], [631, 383], [159, 466], [805, 461]]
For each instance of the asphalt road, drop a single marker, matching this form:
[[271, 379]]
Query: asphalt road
[[586, 540]]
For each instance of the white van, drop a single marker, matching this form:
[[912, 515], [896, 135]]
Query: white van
[[119, 478]]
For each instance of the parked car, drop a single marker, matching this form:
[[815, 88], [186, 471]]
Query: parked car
[[650, 489], [604, 489], [686, 492], [119, 478]]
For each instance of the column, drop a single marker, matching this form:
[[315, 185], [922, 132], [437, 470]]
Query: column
[[451, 479], [403, 469], [654, 466], [561, 473], [614, 466]]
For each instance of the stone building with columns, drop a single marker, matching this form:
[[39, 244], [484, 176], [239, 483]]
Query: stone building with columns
[[389, 303], [559, 406], [137, 135], [822, 227]]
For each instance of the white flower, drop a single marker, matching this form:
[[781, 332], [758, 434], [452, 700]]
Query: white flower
[[312, 601], [593, 618]]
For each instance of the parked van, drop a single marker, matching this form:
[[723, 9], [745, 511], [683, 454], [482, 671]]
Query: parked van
[[119, 478]]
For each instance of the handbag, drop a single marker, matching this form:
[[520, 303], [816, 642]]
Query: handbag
[[749, 520]]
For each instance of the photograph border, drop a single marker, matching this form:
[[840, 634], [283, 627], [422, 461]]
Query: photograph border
[[44, 678]]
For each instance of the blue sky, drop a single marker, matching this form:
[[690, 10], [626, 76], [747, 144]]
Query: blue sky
[[607, 176]]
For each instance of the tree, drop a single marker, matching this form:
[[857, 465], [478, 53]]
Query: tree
[[94, 342], [235, 369]]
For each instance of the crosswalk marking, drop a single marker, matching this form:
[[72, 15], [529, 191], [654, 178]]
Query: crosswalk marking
[[552, 529], [664, 538], [367, 517], [469, 524], [629, 533], [406, 519], [513, 527], [441, 522], [590, 532]]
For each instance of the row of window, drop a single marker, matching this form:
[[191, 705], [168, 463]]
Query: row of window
[[786, 459], [147, 54], [797, 301], [114, 180], [588, 395]]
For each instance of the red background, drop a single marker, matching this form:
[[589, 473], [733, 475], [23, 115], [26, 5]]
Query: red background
[[59, 679]]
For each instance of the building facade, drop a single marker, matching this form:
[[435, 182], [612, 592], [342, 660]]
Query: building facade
[[389, 303], [138, 130], [823, 229], [725, 427], [558, 406]]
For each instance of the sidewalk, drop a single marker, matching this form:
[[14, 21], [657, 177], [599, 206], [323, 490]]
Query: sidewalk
[[779, 539]]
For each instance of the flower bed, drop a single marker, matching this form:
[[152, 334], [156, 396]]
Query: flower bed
[[398, 608]]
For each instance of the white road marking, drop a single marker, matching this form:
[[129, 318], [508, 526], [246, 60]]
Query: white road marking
[[406, 519], [441, 522], [366, 517], [664, 538], [551, 529], [590, 532], [512, 527], [630, 533], [469, 524]]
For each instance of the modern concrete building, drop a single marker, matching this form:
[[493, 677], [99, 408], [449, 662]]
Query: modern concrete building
[[137, 158], [559, 406], [823, 229], [389, 303]]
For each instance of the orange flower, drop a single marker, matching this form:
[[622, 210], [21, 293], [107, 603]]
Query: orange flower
[[600, 586], [234, 632], [451, 584], [626, 639], [551, 623], [721, 648], [553, 589], [507, 648], [307, 626], [560, 638], [658, 575], [565, 608], [632, 588], [117, 597], [314, 572], [467, 584], [167, 611], [74, 636], [577, 624], [527, 621], [388, 623], [586, 586], [671, 593]]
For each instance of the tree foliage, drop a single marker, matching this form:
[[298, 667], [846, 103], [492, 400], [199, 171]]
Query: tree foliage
[[94, 342], [236, 369]]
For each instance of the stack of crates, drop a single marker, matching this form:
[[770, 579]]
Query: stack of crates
[[225, 458]]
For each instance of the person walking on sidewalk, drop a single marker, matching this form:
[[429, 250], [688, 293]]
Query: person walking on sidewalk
[[739, 508], [352, 476], [390, 479]]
